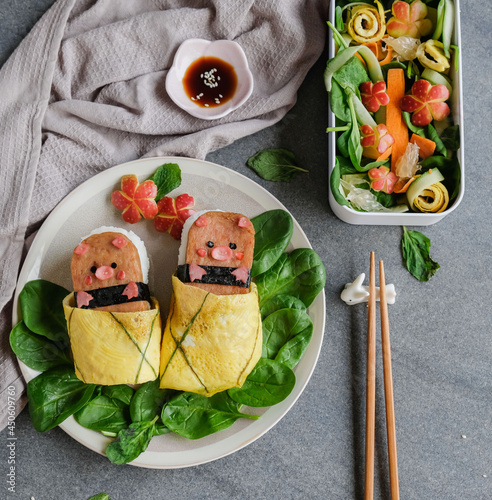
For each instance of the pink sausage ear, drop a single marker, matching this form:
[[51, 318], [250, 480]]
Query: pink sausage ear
[[119, 242], [201, 221], [244, 222], [81, 249]]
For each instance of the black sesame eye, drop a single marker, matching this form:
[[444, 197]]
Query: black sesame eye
[[232, 246], [114, 265], [210, 244], [93, 269]]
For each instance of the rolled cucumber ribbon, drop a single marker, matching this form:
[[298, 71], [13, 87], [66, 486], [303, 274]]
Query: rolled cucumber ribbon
[[427, 193], [365, 23]]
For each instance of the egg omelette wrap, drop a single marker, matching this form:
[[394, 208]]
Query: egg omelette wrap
[[114, 347], [211, 342]]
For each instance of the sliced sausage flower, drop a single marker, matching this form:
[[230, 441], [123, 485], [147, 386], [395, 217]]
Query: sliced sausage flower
[[375, 141], [172, 213], [373, 95], [382, 179], [409, 20], [426, 103], [135, 200]]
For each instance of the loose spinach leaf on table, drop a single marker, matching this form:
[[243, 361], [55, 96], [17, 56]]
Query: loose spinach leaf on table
[[268, 384], [300, 274], [281, 301], [36, 351], [273, 231], [415, 250], [100, 496], [275, 164], [194, 416], [131, 442], [282, 326], [42, 309], [54, 395]]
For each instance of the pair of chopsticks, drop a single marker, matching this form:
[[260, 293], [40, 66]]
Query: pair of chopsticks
[[371, 385]]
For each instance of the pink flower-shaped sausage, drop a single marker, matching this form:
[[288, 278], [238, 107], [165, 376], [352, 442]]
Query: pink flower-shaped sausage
[[135, 200], [172, 213], [382, 179], [375, 141], [409, 20], [426, 102], [374, 95]]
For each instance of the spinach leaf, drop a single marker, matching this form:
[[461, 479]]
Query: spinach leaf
[[351, 75], [269, 383], [100, 496], [338, 102], [432, 134], [292, 351], [194, 416], [36, 351], [342, 167], [451, 138], [122, 392], [42, 309], [277, 165], [300, 274], [54, 395], [281, 326], [281, 301], [147, 403], [415, 249], [167, 177], [105, 414], [342, 142], [273, 233], [131, 442]]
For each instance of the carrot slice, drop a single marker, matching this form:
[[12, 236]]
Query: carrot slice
[[374, 46], [402, 184], [385, 155], [426, 146], [388, 58], [394, 119]]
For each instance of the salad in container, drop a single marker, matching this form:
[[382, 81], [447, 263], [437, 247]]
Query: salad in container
[[394, 125]]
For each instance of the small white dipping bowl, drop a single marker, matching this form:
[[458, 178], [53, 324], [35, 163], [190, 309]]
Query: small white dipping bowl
[[193, 49]]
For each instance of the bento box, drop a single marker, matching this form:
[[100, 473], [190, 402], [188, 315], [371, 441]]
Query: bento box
[[452, 77]]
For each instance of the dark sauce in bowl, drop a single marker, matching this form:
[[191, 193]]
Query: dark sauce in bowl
[[210, 82]]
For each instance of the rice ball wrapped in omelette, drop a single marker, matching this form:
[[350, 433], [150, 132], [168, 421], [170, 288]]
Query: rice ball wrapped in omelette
[[113, 323], [213, 335]]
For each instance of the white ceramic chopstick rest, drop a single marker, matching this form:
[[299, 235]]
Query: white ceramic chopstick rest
[[356, 292]]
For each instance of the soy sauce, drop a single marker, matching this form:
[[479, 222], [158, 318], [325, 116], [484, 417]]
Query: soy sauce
[[210, 82]]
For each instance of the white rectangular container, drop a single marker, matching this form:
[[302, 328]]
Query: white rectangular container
[[351, 216]]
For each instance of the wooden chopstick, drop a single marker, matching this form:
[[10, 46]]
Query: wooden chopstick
[[388, 387], [371, 384]]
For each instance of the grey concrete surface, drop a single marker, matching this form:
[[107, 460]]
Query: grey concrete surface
[[441, 336]]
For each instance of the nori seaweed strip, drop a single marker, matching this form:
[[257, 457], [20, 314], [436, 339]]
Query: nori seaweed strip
[[216, 275], [112, 295]]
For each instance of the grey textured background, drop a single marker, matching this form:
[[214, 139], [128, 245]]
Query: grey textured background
[[441, 336]]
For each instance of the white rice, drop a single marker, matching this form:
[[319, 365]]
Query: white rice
[[139, 244]]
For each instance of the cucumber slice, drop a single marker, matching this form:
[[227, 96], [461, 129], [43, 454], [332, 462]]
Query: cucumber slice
[[436, 78]]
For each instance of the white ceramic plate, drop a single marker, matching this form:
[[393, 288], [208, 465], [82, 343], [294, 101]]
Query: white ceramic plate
[[88, 207]]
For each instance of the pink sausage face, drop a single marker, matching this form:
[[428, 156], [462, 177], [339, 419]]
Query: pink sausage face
[[221, 239], [103, 260]]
